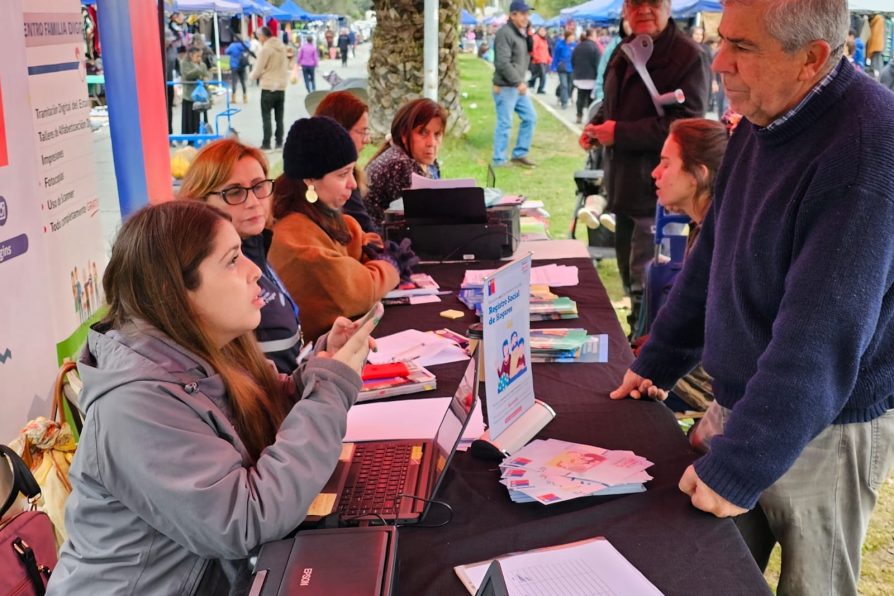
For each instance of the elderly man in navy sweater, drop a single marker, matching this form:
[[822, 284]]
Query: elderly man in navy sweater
[[788, 298]]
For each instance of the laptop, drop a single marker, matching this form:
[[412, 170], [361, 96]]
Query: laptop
[[396, 480]]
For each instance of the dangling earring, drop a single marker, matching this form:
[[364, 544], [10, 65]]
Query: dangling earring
[[311, 194]]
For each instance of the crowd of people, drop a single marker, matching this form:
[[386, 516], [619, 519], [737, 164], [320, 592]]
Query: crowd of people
[[781, 317]]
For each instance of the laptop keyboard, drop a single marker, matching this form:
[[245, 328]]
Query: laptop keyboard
[[378, 474]]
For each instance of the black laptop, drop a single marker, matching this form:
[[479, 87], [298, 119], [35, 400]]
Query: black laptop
[[396, 480]]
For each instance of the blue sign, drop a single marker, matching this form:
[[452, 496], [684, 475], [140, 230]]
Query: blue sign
[[15, 246]]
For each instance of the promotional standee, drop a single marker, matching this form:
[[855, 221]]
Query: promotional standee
[[514, 415], [51, 243]]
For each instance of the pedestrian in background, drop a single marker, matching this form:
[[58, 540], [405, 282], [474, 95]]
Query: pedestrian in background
[[308, 60], [511, 56], [540, 59], [272, 73]]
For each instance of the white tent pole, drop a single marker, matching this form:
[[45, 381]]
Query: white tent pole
[[430, 51], [217, 46]]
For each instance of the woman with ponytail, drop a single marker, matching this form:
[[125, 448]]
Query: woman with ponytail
[[194, 450]]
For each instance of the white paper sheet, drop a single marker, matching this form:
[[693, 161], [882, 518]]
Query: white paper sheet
[[417, 182], [426, 349], [587, 568], [405, 419]]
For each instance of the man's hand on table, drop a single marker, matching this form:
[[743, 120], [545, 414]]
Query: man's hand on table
[[637, 387], [703, 496]]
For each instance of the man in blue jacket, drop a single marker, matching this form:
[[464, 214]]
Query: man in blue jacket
[[511, 58], [788, 297]]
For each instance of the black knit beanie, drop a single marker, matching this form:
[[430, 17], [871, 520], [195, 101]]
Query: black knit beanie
[[315, 147]]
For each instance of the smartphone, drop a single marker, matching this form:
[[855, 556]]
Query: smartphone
[[376, 311]]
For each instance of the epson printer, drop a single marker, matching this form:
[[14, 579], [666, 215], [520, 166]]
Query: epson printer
[[453, 224]]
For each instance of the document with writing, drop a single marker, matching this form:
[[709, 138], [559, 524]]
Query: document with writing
[[587, 568]]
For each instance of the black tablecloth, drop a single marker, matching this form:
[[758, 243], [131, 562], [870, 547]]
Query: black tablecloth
[[678, 548]]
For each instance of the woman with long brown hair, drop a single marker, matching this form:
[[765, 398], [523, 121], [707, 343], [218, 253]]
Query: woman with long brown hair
[[350, 111], [234, 178], [327, 262], [194, 451], [416, 134]]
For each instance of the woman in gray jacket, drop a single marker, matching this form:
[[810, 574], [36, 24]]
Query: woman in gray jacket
[[194, 451]]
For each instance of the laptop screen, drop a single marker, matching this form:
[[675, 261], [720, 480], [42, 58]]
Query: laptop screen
[[456, 418]]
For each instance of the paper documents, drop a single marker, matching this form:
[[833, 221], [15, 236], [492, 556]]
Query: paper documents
[[426, 349], [417, 182], [551, 471], [554, 276], [406, 419], [587, 568]]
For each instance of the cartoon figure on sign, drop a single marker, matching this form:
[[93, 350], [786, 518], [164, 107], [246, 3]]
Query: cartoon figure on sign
[[503, 368], [576, 461], [517, 356]]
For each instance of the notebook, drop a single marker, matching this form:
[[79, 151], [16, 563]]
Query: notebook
[[381, 478]]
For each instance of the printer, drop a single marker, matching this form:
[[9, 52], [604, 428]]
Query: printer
[[453, 224]]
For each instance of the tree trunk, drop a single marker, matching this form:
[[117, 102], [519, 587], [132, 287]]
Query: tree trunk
[[396, 62]]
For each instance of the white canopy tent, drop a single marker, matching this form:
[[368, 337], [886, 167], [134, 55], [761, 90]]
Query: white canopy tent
[[872, 6]]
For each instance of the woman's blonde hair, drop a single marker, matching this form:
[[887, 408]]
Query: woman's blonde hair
[[154, 264], [213, 166]]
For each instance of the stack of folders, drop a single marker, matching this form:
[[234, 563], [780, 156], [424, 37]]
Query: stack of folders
[[557, 345], [414, 291], [551, 471], [396, 378], [544, 305]]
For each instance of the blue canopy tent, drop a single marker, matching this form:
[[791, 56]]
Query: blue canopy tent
[[536, 20], [264, 9], [684, 9], [296, 13], [466, 18], [598, 11]]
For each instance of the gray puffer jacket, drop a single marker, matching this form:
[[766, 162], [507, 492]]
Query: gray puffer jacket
[[165, 499]]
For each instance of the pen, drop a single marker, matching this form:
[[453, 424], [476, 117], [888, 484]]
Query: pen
[[400, 355]]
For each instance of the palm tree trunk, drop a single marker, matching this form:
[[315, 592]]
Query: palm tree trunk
[[395, 62]]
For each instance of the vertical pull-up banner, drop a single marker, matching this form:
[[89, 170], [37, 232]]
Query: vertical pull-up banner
[[135, 90], [52, 252]]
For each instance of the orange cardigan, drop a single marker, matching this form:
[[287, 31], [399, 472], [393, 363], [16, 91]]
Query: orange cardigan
[[327, 279]]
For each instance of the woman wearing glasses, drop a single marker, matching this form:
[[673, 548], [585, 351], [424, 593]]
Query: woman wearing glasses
[[351, 112], [233, 177]]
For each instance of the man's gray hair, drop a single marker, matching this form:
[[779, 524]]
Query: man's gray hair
[[795, 23]]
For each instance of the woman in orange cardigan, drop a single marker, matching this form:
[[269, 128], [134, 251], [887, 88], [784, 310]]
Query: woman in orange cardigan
[[322, 255]]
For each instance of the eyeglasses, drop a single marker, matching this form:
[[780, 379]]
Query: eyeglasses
[[638, 3], [363, 134], [236, 195]]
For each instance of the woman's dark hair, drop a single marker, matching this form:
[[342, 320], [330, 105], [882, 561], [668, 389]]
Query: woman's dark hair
[[345, 108], [408, 118], [702, 142], [289, 197], [154, 265]]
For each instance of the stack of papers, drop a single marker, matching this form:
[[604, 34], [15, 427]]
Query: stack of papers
[[590, 567], [424, 349], [544, 305], [421, 289], [551, 471], [394, 379], [593, 349], [556, 345], [552, 275], [555, 309]]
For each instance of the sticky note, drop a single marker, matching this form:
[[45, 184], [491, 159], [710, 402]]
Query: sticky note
[[452, 314]]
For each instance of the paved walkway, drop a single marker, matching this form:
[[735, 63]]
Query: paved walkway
[[247, 124]]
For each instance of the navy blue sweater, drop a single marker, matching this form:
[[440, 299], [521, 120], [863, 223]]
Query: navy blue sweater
[[787, 296]]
